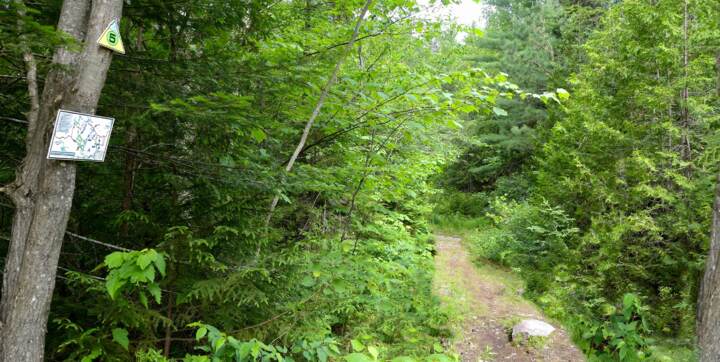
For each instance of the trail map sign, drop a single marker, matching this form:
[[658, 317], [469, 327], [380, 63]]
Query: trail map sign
[[111, 39], [80, 137]]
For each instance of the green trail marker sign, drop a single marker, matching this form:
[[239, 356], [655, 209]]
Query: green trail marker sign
[[111, 39]]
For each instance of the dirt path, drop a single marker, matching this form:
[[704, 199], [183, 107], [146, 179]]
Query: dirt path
[[485, 301]]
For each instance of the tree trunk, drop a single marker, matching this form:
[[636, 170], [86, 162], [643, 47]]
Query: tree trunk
[[128, 178], [708, 317], [43, 189], [686, 150]]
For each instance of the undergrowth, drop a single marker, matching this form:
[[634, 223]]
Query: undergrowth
[[368, 298], [541, 243]]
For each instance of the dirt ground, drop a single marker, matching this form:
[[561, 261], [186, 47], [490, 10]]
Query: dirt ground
[[485, 301]]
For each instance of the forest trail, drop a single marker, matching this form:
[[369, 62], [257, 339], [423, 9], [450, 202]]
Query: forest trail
[[484, 302]]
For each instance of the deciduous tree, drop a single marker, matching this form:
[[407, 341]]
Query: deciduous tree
[[43, 189]]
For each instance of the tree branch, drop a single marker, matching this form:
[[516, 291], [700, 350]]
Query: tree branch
[[319, 105], [111, 246], [358, 39], [31, 68], [31, 72], [16, 120]]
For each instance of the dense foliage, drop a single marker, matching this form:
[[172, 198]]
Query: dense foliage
[[173, 250], [605, 204], [573, 141]]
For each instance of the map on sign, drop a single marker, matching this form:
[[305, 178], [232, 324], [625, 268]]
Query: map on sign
[[80, 137]]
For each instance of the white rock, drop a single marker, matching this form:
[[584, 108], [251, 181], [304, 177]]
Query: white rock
[[532, 328]]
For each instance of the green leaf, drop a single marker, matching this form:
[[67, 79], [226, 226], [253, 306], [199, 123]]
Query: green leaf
[[143, 299], [339, 286], [147, 275], [402, 359], [95, 353], [120, 335], [113, 284], [438, 348], [499, 111], [146, 258], [255, 352], [308, 281], [115, 260], [562, 94], [357, 357], [160, 263], [258, 134], [357, 346], [373, 351], [454, 124], [155, 291], [322, 355], [201, 332], [226, 160], [628, 300], [219, 343]]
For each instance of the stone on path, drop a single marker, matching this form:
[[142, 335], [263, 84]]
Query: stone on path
[[531, 328]]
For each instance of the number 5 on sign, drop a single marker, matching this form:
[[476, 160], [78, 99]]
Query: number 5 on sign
[[111, 39]]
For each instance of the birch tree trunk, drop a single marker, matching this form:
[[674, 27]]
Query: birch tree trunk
[[43, 189], [708, 316]]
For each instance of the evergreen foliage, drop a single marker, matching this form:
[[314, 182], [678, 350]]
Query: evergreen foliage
[[616, 192]]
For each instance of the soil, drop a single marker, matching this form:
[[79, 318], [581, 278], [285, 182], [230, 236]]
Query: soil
[[487, 303]]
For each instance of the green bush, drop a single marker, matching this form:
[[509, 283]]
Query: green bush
[[539, 241], [620, 334], [531, 238], [471, 205]]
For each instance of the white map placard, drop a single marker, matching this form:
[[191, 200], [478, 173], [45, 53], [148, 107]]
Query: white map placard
[[80, 137]]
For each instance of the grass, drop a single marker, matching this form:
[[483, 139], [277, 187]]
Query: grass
[[456, 224], [454, 298], [499, 274], [488, 354], [509, 323], [670, 351]]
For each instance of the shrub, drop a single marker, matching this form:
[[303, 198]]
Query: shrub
[[531, 238], [620, 334]]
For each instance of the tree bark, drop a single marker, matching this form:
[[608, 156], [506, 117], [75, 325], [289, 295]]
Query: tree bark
[[708, 316], [686, 150], [43, 189]]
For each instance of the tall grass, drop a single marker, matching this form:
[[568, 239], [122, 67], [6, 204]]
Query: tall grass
[[457, 224]]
